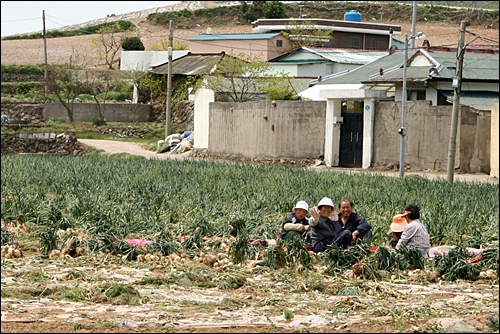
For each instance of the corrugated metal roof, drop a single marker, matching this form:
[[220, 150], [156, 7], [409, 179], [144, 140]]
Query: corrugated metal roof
[[362, 73], [476, 67], [300, 61], [218, 37], [190, 64], [300, 84], [477, 100], [343, 56], [348, 56]]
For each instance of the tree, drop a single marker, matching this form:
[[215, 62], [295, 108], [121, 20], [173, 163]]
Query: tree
[[258, 8], [133, 43], [243, 78], [77, 77], [274, 10], [64, 84], [303, 33], [101, 83], [247, 12], [108, 43]]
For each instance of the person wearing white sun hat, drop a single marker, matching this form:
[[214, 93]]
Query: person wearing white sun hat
[[296, 224], [323, 230]]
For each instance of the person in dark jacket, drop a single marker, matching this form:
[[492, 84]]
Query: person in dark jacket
[[296, 224], [351, 221], [322, 227]]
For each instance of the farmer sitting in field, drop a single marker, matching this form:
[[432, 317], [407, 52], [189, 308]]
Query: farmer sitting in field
[[296, 224], [398, 225], [353, 222], [415, 234], [323, 229]]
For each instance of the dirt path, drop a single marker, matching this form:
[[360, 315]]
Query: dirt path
[[115, 147]]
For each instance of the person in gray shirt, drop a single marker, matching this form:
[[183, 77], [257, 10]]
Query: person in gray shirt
[[415, 234]]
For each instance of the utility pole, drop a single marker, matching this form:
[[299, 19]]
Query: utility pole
[[456, 85], [169, 82], [45, 72], [413, 23], [402, 130]]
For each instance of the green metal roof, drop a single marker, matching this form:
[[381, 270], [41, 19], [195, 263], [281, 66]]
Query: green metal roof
[[477, 100], [476, 67], [348, 56], [300, 61], [343, 56], [218, 37], [363, 73]]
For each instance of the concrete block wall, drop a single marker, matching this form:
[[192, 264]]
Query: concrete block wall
[[428, 136], [494, 147], [85, 112], [290, 129]]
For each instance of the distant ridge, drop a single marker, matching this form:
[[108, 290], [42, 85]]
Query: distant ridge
[[189, 5]]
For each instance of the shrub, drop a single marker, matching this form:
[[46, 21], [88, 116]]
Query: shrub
[[132, 44], [23, 69], [27, 87]]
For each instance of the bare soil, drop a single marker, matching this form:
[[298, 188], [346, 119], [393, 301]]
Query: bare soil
[[66, 295]]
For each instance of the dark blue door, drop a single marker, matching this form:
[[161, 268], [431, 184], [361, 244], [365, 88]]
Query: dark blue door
[[351, 140]]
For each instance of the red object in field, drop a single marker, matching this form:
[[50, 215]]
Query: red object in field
[[373, 249], [475, 259]]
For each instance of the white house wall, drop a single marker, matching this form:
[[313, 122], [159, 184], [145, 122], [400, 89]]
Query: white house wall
[[142, 60], [203, 98], [290, 69], [311, 70]]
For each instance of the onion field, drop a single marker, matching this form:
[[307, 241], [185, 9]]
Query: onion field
[[139, 198]]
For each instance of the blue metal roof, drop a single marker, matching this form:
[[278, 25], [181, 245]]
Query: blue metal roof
[[218, 37]]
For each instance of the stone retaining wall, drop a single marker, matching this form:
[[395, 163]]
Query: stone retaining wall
[[42, 142], [41, 111]]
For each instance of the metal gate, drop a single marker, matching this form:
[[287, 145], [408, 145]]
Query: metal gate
[[351, 140]]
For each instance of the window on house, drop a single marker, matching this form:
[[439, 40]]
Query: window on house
[[354, 42], [371, 44], [279, 43], [421, 95]]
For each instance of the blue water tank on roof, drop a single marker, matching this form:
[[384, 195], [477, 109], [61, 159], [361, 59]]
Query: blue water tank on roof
[[352, 15]]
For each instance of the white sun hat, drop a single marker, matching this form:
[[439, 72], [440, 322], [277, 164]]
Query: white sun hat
[[301, 205], [326, 201]]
